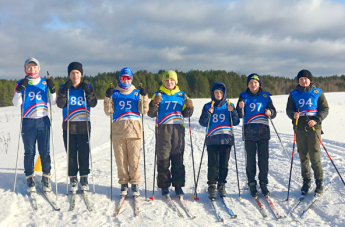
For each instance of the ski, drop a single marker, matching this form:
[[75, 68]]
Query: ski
[[185, 207], [87, 201], [119, 206], [50, 198], [73, 198], [173, 205], [214, 206], [33, 199], [263, 211], [227, 206], [298, 202], [136, 206], [273, 208]]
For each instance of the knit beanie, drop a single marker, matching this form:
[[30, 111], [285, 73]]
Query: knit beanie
[[31, 75], [170, 74], [126, 71], [254, 76], [304, 73], [75, 66]]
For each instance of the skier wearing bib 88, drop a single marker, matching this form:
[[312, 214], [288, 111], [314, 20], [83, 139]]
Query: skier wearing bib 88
[[257, 106], [35, 124], [126, 103], [219, 138], [78, 125], [308, 104], [170, 105]]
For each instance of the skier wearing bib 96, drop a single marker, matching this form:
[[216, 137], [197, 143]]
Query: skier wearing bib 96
[[170, 105], [308, 104], [74, 112], [31, 93], [257, 106], [219, 138]]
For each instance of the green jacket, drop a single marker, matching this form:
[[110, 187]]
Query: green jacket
[[322, 108]]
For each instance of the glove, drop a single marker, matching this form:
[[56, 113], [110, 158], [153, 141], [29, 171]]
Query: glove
[[188, 103], [23, 84], [67, 86], [86, 88], [109, 92], [157, 99], [143, 91], [230, 108], [51, 85]]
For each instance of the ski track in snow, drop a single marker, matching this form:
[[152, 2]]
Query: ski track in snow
[[16, 209]]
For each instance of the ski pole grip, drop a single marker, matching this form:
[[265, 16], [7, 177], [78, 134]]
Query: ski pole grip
[[212, 104]]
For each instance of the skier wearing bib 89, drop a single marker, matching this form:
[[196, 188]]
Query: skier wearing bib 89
[[170, 106], [257, 106], [78, 124], [219, 138], [126, 103], [308, 104], [35, 123]]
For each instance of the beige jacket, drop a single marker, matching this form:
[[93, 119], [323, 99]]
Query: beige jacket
[[126, 128]]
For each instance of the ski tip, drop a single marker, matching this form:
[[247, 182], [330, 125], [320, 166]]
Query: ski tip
[[233, 217], [196, 198], [192, 196], [152, 198]]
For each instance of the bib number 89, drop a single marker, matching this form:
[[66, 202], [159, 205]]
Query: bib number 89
[[216, 117]]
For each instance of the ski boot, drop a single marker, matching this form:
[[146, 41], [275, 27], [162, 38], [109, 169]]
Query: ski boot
[[124, 189], [306, 186], [165, 191], [264, 189], [319, 187], [221, 189], [253, 190], [46, 186], [211, 191], [30, 180], [135, 190], [84, 185], [178, 191], [74, 184]]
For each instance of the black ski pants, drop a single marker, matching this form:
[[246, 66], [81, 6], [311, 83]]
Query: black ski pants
[[218, 159], [259, 147]]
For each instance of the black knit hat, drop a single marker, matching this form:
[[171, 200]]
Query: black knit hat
[[304, 73], [254, 76], [75, 65]]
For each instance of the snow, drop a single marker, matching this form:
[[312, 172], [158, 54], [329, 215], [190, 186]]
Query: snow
[[15, 209]]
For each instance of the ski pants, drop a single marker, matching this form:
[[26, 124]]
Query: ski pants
[[36, 130], [261, 148], [78, 153], [308, 147], [218, 159], [127, 156], [170, 148]]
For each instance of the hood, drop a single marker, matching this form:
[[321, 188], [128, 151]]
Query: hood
[[218, 86]]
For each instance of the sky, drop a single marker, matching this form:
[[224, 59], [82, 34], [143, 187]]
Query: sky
[[275, 37]]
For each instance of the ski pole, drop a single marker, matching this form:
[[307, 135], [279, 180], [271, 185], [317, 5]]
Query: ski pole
[[326, 152], [191, 146], [88, 138], [298, 177], [111, 147], [293, 151], [51, 128], [244, 143], [233, 132], [154, 165], [67, 140], [142, 122], [195, 196], [20, 133]]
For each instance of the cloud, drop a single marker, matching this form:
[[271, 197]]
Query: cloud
[[274, 37]]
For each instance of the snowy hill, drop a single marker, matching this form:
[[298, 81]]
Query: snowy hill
[[15, 209]]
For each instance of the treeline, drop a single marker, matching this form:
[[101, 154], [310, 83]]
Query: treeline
[[195, 83]]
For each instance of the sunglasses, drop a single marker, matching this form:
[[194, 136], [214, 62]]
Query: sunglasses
[[125, 78]]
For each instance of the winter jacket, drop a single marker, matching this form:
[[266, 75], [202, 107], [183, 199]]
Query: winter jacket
[[257, 131], [322, 110], [126, 128], [218, 139]]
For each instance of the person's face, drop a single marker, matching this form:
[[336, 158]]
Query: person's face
[[218, 95], [169, 83], [253, 85], [125, 79], [304, 82], [32, 68], [75, 76]]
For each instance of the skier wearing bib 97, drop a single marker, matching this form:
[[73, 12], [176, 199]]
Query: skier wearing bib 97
[[74, 111], [219, 138], [257, 106], [170, 105], [35, 121], [308, 104]]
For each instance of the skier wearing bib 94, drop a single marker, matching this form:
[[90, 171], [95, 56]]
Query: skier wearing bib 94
[[31, 93]]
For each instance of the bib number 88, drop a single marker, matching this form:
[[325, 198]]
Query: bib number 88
[[74, 101]]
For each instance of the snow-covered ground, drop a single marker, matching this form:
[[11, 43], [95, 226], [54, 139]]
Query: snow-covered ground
[[15, 209]]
